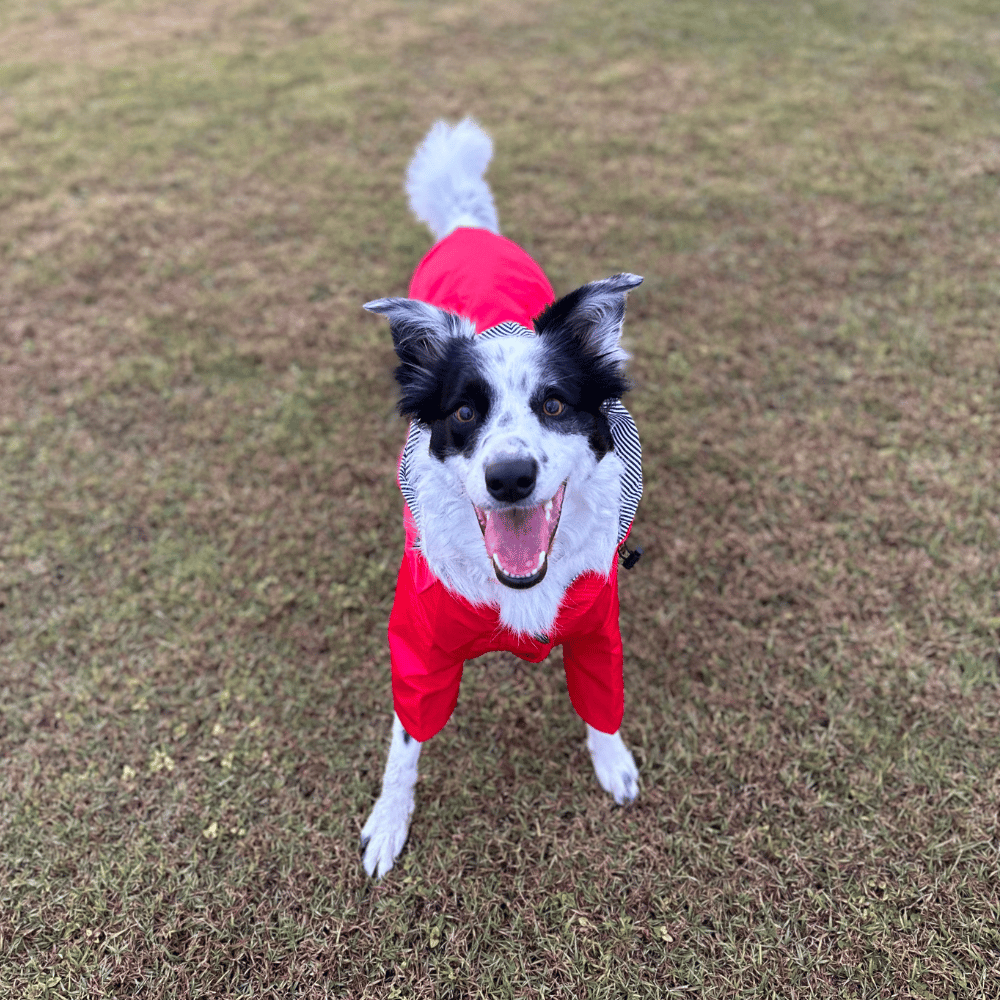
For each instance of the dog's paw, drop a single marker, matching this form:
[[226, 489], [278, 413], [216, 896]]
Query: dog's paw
[[384, 834], [614, 766]]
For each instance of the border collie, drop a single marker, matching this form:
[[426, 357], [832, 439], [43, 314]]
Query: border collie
[[521, 475]]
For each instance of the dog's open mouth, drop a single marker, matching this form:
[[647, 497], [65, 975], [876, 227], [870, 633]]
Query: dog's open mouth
[[519, 540]]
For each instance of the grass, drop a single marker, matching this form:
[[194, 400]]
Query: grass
[[199, 524]]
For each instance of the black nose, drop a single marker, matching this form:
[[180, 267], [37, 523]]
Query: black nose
[[510, 479]]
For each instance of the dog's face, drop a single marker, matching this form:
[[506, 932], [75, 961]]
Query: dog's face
[[516, 418]]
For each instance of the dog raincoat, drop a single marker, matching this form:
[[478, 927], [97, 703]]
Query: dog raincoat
[[432, 631]]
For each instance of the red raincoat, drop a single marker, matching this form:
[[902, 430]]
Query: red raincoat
[[432, 631]]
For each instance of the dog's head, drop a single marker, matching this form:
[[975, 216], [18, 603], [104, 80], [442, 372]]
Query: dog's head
[[517, 417]]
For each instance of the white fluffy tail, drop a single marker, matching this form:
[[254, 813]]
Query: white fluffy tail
[[445, 182]]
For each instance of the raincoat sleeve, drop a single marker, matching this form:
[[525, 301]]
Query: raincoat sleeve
[[593, 660]]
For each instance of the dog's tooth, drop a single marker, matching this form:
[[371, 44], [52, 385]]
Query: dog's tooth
[[548, 510], [541, 561]]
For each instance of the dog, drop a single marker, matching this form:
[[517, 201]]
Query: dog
[[521, 475]]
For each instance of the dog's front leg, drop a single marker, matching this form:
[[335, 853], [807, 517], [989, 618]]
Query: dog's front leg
[[385, 832], [614, 765]]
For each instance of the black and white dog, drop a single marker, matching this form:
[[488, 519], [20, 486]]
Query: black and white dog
[[521, 475]]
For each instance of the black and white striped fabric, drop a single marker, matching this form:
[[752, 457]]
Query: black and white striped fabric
[[623, 432]]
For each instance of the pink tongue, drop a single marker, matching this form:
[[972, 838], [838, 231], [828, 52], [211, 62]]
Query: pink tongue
[[518, 537]]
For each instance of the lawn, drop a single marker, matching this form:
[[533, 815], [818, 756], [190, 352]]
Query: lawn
[[200, 527]]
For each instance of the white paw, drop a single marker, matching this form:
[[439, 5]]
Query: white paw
[[384, 834], [614, 766]]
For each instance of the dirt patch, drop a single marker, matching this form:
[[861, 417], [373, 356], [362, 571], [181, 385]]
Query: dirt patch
[[101, 35]]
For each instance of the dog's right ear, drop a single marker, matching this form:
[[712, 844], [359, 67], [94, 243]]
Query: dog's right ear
[[426, 340], [420, 331]]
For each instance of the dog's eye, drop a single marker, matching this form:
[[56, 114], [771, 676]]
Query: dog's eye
[[465, 413], [552, 407]]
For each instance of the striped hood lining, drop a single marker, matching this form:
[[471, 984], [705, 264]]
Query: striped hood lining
[[624, 434]]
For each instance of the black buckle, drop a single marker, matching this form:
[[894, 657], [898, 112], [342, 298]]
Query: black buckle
[[629, 556]]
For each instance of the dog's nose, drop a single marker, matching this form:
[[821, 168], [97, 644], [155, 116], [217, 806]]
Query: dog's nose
[[510, 479]]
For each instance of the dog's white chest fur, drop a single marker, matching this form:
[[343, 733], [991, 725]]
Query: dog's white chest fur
[[452, 543]]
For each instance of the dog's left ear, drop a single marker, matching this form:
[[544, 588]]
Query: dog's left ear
[[592, 316]]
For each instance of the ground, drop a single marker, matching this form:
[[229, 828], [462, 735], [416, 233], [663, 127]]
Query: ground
[[200, 527]]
